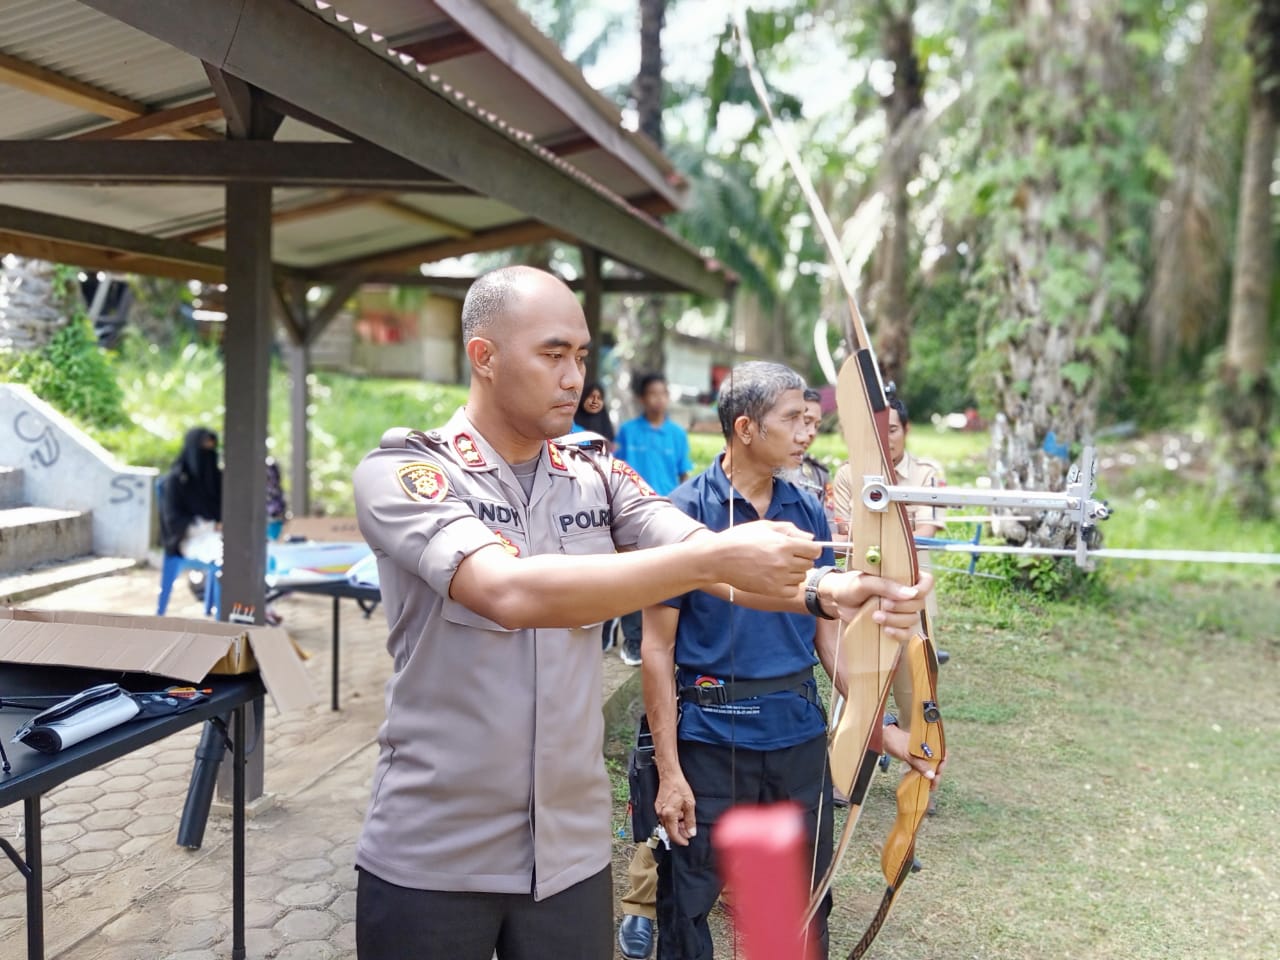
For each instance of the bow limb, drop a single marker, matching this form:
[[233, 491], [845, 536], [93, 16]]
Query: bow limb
[[916, 693]]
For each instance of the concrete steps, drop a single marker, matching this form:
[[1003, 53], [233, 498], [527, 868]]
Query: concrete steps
[[30, 536], [50, 577], [44, 549], [10, 487]]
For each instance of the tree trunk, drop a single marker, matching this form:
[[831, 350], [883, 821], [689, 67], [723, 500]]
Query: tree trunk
[[1189, 233], [1245, 395], [647, 86], [1052, 304], [889, 308], [641, 332], [641, 341], [35, 303]]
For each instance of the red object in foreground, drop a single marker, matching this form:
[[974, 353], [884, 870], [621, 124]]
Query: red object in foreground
[[762, 859]]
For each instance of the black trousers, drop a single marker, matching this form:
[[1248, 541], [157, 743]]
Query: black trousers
[[399, 923], [721, 777]]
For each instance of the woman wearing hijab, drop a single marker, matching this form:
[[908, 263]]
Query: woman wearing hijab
[[593, 414], [191, 502]]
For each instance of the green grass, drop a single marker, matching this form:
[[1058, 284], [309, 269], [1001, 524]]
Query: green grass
[[1110, 791]]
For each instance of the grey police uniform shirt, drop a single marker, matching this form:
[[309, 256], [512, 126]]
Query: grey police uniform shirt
[[490, 775]]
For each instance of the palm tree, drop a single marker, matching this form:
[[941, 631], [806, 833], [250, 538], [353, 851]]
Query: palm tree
[[641, 331], [35, 302]]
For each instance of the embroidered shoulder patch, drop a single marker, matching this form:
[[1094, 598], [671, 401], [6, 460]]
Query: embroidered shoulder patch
[[507, 545], [423, 481], [468, 450], [624, 469], [557, 459]]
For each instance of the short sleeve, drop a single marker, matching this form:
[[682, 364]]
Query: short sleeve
[[408, 511], [842, 500], [641, 518]]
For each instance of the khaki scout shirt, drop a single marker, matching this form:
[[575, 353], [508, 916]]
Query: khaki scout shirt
[[912, 472], [490, 776]]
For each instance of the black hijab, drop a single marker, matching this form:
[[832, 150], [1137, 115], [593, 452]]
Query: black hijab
[[595, 422], [197, 470]]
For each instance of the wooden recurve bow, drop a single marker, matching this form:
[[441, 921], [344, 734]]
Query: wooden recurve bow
[[867, 661]]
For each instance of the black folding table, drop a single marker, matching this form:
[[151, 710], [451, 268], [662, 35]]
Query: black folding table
[[366, 597], [35, 774]]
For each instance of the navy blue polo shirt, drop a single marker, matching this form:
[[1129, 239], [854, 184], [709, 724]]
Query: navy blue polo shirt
[[717, 641]]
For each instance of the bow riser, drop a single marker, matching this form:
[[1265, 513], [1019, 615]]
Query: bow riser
[[882, 547]]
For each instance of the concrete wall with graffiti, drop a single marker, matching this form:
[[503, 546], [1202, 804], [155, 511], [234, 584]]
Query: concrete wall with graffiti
[[65, 469]]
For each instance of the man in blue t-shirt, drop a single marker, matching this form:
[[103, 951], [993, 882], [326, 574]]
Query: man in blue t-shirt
[[657, 448], [729, 691]]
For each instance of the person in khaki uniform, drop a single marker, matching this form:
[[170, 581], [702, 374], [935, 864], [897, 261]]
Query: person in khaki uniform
[[913, 471], [488, 830]]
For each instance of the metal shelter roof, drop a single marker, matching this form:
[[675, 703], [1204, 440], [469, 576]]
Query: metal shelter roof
[[413, 131]]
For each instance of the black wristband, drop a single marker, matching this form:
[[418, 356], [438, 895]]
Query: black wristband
[[812, 601]]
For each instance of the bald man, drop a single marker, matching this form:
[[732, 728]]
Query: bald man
[[500, 550]]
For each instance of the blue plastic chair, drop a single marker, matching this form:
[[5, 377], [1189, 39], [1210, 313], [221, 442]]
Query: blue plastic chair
[[175, 564]]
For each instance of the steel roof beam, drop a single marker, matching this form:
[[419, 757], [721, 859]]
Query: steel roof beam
[[160, 162]]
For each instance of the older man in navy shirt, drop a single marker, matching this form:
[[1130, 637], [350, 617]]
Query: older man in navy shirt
[[729, 691]]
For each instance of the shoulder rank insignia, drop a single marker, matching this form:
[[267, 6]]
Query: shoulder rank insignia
[[556, 457], [624, 469], [423, 481], [468, 451]]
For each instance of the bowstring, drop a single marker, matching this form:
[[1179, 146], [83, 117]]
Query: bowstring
[[852, 319], [733, 646]]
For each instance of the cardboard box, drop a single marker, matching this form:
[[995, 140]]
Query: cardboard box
[[342, 529], [172, 647]]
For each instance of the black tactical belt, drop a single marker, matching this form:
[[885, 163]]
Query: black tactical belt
[[734, 690]]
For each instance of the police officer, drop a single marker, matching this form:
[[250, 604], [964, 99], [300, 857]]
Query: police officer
[[498, 549], [927, 520], [913, 471]]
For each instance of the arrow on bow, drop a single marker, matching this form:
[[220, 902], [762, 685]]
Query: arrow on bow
[[866, 659]]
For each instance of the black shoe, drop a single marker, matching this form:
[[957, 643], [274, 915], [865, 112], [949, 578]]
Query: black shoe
[[635, 937], [608, 634], [630, 652], [943, 657]]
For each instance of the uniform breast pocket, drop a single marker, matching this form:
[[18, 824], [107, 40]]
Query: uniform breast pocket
[[585, 531]]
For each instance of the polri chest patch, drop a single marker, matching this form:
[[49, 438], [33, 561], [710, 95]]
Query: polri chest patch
[[423, 480]]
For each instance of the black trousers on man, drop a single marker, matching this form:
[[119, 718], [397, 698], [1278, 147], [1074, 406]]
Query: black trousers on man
[[399, 923], [722, 777]]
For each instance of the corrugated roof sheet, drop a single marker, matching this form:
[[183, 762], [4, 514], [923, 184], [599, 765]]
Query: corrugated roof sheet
[[78, 42]]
